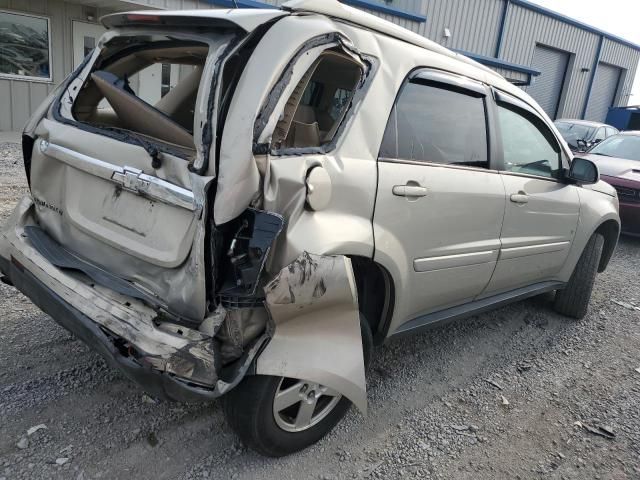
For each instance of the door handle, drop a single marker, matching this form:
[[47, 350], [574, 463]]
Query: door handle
[[519, 197], [409, 191]]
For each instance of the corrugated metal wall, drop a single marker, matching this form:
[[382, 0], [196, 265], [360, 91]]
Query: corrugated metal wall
[[526, 28], [606, 87], [547, 87], [625, 57], [474, 26]]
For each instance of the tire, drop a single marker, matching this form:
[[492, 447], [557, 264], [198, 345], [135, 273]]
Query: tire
[[249, 409], [573, 300]]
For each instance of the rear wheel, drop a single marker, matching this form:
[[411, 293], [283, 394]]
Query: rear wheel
[[276, 416], [573, 300]]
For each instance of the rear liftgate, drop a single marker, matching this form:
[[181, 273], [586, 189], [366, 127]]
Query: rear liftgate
[[123, 217]]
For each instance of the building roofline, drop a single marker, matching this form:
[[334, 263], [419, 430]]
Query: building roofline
[[397, 12], [572, 21], [496, 62], [368, 4]]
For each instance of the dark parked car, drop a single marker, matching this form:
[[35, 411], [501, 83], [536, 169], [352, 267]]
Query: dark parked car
[[618, 159], [581, 134]]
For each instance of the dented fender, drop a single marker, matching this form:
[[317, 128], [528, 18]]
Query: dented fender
[[313, 305]]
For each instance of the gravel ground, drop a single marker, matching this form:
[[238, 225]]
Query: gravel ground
[[518, 393]]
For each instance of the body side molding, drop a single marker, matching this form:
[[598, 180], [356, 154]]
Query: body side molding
[[475, 307]]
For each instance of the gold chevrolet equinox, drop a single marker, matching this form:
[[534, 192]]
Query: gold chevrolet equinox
[[303, 184]]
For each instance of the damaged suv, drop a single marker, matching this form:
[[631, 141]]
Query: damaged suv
[[307, 183]]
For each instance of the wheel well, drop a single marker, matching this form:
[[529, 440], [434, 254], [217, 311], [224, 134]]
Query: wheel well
[[610, 230], [376, 295]]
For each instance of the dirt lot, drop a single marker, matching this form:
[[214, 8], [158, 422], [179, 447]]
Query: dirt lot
[[509, 394]]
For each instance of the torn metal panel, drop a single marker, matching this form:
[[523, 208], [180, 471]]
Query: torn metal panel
[[314, 307], [238, 176], [298, 66]]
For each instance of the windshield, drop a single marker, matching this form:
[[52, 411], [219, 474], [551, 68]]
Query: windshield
[[572, 132], [622, 146]]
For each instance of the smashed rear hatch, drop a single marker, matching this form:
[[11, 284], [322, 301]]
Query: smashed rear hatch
[[122, 170]]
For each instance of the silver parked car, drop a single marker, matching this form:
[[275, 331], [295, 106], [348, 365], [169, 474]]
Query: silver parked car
[[313, 180], [581, 135]]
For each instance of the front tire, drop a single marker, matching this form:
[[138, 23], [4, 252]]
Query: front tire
[[277, 416], [573, 300]]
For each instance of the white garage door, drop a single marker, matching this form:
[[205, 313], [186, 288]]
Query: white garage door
[[603, 93], [547, 87]]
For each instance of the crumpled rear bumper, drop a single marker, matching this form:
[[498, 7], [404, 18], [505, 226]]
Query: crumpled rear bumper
[[154, 382], [169, 361]]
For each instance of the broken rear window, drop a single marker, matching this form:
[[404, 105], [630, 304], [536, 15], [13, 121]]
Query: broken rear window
[[320, 101], [146, 85]]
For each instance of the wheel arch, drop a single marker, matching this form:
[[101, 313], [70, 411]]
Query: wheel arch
[[610, 230], [376, 294]]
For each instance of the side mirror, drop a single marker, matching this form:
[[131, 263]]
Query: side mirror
[[582, 145], [583, 172]]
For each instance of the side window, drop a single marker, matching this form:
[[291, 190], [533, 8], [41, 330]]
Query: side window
[[600, 135], [432, 123], [611, 131], [528, 145], [320, 101]]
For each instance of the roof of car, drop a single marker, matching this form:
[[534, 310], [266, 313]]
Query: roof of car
[[635, 133], [582, 122]]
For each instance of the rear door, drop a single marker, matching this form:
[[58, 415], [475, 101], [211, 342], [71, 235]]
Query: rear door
[[124, 186], [542, 211], [440, 202]]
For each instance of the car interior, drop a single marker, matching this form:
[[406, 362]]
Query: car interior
[[317, 106], [109, 99]]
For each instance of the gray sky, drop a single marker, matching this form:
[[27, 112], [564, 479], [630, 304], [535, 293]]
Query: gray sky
[[619, 17]]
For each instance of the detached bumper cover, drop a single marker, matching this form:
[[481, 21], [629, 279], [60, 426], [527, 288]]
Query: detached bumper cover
[[168, 360]]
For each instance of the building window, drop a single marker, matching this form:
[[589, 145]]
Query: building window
[[25, 46]]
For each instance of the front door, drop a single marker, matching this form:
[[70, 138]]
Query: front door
[[440, 204], [542, 211], [85, 39]]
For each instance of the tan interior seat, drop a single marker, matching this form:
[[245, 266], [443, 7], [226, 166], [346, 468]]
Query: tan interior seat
[[305, 114], [304, 135]]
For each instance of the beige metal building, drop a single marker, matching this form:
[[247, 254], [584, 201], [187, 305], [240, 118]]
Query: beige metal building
[[572, 69]]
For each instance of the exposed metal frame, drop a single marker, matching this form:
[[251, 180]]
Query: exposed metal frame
[[29, 78]]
